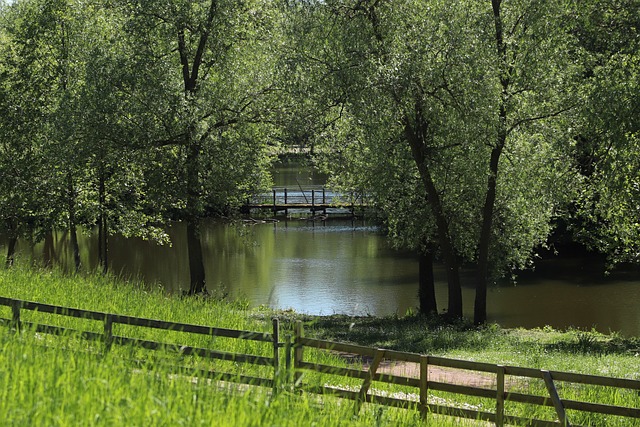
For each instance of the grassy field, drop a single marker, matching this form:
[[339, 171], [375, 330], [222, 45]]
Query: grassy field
[[66, 381]]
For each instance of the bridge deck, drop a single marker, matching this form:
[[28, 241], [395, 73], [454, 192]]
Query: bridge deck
[[312, 199]]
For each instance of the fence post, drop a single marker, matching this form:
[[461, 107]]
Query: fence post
[[324, 201], [555, 398], [15, 312], [366, 384], [298, 354], [276, 355], [313, 201], [108, 332], [500, 396], [287, 361], [424, 385]]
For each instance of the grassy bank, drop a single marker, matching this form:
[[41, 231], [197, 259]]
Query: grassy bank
[[43, 383]]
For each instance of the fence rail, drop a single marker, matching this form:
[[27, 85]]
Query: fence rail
[[424, 385], [108, 338], [502, 393]]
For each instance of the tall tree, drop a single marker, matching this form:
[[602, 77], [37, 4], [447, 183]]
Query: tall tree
[[473, 94], [607, 144], [203, 70], [25, 91], [533, 68]]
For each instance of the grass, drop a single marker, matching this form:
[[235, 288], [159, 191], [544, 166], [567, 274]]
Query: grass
[[573, 350], [44, 383]]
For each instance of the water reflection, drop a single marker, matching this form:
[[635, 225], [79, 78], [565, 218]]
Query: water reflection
[[347, 267]]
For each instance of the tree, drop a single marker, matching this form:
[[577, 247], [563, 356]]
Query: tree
[[63, 53], [202, 72], [472, 94], [607, 146], [25, 185]]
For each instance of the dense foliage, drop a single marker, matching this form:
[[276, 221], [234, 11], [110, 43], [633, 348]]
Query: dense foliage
[[474, 127]]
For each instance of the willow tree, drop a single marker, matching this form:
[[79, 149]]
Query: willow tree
[[475, 94], [63, 61], [30, 82], [202, 71], [607, 214]]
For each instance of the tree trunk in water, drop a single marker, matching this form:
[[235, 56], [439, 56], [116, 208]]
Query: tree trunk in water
[[416, 140], [196, 263], [426, 290], [11, 251], [482, 268]]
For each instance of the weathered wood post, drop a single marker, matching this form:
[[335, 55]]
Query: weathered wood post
[[366, 384], [286, 211], [274, 202], [500, 396], [287, 361], [313, 201], [108, 332], [276, 355], [298, 354], [555, 398], [15, 315], [324, 201], [424, 386]]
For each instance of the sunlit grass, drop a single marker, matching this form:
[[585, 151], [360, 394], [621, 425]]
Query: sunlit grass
[[69, 381]]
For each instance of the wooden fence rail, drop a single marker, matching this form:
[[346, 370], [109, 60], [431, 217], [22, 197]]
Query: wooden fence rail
[[424, 385], [502, 392], [109, 338]]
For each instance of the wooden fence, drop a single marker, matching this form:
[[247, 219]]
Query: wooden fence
[[501, 392], [424, 385], [109, 338]]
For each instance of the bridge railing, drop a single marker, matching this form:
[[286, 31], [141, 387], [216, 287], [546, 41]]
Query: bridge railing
[[280, 198]]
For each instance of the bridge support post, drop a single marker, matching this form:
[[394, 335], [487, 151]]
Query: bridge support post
[[324, 201], [286, 211], [275, 210]]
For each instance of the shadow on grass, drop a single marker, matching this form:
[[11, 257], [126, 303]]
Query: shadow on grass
[[437, 335], [593, 343]]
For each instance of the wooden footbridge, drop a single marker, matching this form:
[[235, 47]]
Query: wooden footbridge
[[303, 199]]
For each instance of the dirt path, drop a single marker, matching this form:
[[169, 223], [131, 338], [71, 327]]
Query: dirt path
[[441, 374]]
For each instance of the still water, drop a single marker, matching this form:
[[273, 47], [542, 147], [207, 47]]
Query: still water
[[345, 266], [341, 266]]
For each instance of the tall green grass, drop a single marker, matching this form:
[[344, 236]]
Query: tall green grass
[[64, 380]]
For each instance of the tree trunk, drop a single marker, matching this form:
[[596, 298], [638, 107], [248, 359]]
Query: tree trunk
[[415, 139], [482, 267], [11, 251], [103, 231], [48, 250], [197, 283], [73, 235], [426, 290], [103, 243]]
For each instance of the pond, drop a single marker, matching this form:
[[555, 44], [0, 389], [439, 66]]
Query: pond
[[346, 266]]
